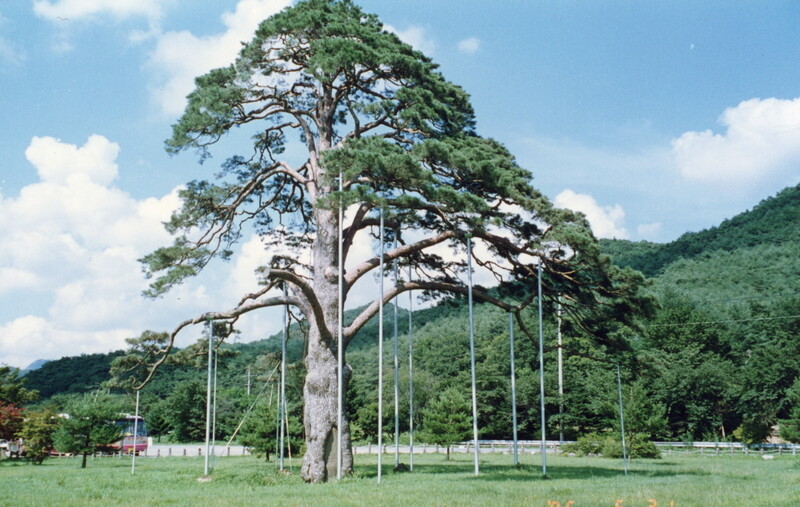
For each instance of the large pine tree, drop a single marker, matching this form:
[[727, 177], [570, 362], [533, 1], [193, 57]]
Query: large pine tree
[[373, 116]]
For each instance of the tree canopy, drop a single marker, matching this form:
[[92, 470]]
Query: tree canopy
[[347, 125]]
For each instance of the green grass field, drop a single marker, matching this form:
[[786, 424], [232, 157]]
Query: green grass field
[[672, 481]]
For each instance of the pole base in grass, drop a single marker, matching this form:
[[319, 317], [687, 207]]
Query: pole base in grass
[[204, 478], [401, 467]]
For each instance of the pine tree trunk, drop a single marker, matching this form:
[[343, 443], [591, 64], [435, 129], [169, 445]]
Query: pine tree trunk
[[320, 395], [320, 391]]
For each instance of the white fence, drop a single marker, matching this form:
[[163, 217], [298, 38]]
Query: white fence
[[493, 446], [553, 446], [169, 450]]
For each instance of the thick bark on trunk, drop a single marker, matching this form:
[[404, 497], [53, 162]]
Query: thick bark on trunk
[[320, 392], [320, 395]]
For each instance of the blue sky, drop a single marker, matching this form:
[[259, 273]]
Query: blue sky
[[653, 118]]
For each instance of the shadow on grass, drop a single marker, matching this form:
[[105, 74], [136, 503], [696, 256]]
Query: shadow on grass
[[495, 472]]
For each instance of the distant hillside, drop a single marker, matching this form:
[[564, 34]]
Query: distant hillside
[[774, 221], [75, 374], [34, 366]]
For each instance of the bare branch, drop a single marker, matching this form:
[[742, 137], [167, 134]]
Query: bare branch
[[401, 251], [400, 288]]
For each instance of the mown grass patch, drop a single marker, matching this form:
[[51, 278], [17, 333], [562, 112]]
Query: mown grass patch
[[674, 480]]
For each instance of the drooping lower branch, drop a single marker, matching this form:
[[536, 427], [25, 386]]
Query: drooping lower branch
[[212, 316]]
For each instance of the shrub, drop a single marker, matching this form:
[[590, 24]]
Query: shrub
[[609, 446], [638, 447], [586, 445]]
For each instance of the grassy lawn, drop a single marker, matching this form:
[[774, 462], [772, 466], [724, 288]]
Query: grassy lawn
[[674, 480]]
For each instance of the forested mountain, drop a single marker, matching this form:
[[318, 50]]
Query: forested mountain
[[775, 221], [721, 349], [716, 360], [76, 374]]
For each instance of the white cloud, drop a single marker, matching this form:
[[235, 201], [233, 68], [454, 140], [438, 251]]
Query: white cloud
[[606, 221], [179, 57], [649, 232], [415, 36], [15, 279], [30, 337], [469, 45], [74, 10], [64, 13], [56, 162], [761, 140], [71, 241]]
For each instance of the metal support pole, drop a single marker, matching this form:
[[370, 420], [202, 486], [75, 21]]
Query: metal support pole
[[622, 422], [283, 376], [208, 394], [410, 380], [214, 414], [277, 417], [380, 359], [340, 342], [396, 376], [472, 358], [513, 387], [541, 372], [560, 380], [135, 434]]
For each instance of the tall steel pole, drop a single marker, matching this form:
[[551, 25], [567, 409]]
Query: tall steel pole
[[208, 394], [560, 380], [513, 386], [214, 414], [472, 358], [396, 376], [410, 379], [283, 374], [622, 422], [340, 341], [135, 434], [541, 371], [380, 359]]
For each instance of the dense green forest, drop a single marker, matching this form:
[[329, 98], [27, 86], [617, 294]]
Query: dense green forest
[[716, 361], [772, 222]]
